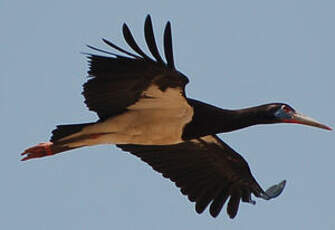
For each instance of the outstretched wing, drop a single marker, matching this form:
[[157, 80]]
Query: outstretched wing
[[206, 170], [121, 80]]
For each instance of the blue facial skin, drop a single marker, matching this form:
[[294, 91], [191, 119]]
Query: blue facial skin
[[282, 114]]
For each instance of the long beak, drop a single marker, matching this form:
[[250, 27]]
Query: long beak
[[305, 120]]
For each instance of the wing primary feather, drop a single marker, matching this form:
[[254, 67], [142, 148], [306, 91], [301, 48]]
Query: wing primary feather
[[205, 198], [233, 203], [103, 51], [168, 46], [218, 203], [131, 42], [119, 49], [198, 189], [150, 39], [246, 195]]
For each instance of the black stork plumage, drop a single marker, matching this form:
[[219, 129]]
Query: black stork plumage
[[143, 109]]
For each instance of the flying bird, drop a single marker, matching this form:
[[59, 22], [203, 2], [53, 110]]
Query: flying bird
[[143, 109]]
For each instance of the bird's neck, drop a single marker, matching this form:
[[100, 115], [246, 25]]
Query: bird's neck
[[208, 119], [241, 118]]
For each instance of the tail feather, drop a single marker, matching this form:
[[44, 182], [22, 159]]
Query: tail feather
[[65, 130]]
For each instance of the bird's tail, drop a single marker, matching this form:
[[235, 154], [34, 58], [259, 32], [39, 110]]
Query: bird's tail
[[57, 144], [63, 131]]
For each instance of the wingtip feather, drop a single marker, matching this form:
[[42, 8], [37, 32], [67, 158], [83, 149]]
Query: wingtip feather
[[168, 50], [150, 40], [132, 43]]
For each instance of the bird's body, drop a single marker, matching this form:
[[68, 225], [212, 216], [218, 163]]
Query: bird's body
[[145, 122], [143, 109]]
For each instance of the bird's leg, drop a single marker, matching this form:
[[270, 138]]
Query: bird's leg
[[44, 149], [40, 150]]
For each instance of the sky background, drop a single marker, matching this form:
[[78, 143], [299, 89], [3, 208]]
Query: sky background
[[236, 54]]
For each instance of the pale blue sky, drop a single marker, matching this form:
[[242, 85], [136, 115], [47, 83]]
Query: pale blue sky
[[236, 54]]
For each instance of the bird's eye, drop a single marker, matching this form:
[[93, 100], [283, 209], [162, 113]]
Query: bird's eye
[[286, 108]]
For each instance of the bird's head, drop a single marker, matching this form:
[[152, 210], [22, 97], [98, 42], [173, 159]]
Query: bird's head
[[283, 113]]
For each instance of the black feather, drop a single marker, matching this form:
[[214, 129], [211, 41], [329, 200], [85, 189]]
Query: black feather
[[119, 49], [150, 39], [218, 203], [103, 51], [66, 130], [233, 203], [132, 43], [168, 46], [206, 197]]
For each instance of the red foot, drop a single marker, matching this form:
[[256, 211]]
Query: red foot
[[40, 150]]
